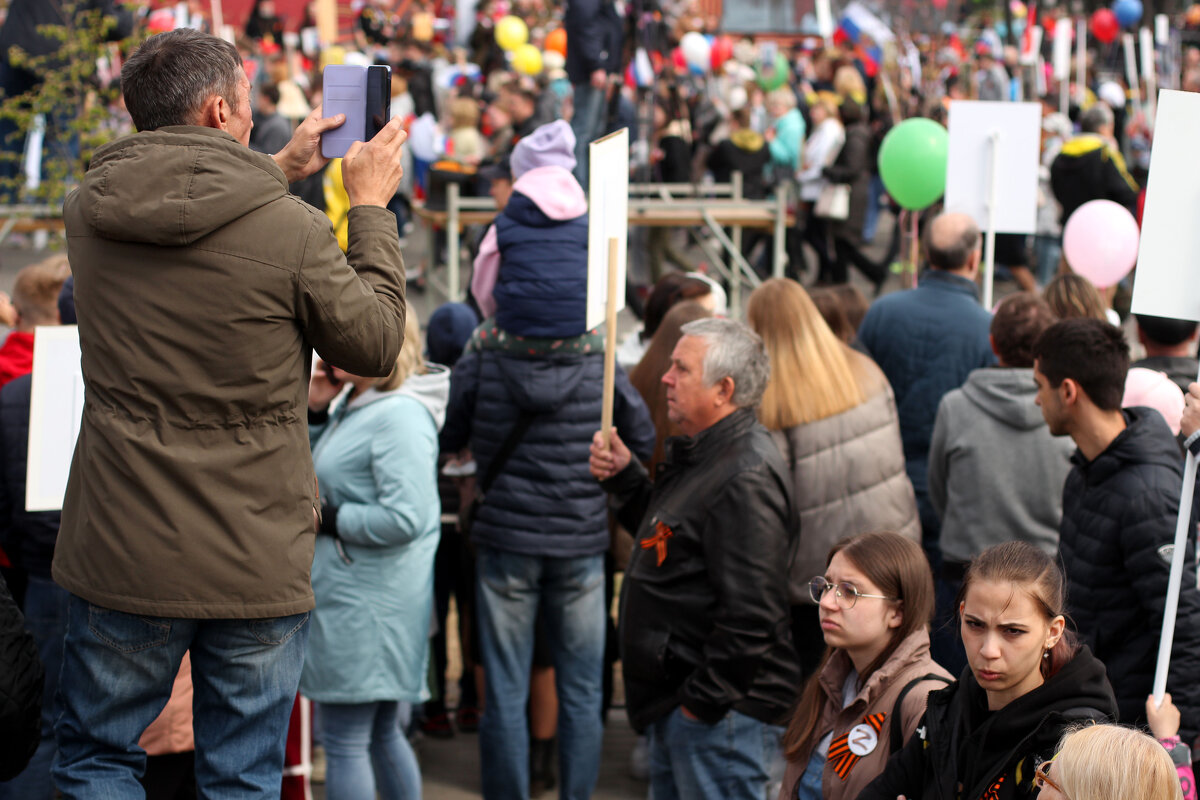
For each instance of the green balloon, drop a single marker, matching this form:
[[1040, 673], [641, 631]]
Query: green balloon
[[774, 77], [912, 162]]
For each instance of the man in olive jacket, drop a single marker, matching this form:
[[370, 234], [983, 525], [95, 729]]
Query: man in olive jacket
[[710, 671], [202, 288]]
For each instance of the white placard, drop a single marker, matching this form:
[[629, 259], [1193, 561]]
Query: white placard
[[824, 19], [1029, 55], [608, 218], [1167, 281], [968, 170], [1062, 49], [55, 412], [1080, 62], [1162, 29], [1146, 45]]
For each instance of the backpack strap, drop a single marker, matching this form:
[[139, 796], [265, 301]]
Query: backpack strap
[[896, 731], [506, 450]]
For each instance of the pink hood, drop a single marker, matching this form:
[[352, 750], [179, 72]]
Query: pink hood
[[555, 191]]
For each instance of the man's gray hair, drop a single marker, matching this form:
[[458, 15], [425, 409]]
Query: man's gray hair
[[1095, 118], [734, 351], [168, 78]]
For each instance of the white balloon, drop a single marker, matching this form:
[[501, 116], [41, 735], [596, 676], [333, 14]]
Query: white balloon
[[696, 50]]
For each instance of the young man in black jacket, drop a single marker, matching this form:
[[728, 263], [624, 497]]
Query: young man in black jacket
[[1120, 504], [709, 667]]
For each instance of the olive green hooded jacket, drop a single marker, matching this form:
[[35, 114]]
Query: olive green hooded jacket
[[201, 288]]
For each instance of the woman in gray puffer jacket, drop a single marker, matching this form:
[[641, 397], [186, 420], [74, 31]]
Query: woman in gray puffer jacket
[[833, 415]]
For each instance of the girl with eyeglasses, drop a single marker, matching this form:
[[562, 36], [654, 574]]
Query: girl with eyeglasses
[[1026, 683], [1110, 762], [874, 601]]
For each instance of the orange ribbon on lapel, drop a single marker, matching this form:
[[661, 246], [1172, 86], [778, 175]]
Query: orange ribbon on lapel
[[846, 750], [659, 541]]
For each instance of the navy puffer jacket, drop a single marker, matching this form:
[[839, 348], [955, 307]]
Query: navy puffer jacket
[[545, 501], [542, 287], [27, 536], [1115, 542]]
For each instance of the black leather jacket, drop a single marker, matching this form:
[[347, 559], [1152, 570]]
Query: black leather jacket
[[704, 606]]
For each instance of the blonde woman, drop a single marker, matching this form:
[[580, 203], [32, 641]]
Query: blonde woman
[[375, 450], [833, 415], [1109, 762]]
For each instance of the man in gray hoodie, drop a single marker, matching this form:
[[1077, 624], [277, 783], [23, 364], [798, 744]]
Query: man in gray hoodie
[[995, 471]]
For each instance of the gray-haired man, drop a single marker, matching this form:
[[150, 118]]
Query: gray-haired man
[[705, 639]]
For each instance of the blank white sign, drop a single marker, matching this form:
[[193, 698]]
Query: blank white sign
[[969, 168], [608, 218], [1167, 281], [55, 413]]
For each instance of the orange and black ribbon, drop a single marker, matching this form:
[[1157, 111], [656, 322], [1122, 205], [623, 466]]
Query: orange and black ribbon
[[840, 756], [659, 541], [993, 791]]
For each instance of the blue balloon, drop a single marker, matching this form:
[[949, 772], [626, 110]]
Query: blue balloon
[[1128, 12]]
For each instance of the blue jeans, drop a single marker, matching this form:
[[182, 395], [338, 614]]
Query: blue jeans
[[366, 751], [1047, 252], [588, 124], [570, 592], [736, 759], [871, 221], [46, 620], [117, 674], [810, 781]]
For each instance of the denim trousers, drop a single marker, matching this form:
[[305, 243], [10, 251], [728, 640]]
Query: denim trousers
[[570, 592], [738, 758], [46, 621], [117, 674], [587, 123], [366, 752]]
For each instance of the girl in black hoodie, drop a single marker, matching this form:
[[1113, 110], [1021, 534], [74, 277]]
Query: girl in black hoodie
[[1027, 681]]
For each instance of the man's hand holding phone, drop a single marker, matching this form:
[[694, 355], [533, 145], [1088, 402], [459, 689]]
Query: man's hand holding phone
[[301, 156], [371, 172], [322, 387]]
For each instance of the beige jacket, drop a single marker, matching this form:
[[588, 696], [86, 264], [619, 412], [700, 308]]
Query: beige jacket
[[202, 287], [848, 476], [911, 660]]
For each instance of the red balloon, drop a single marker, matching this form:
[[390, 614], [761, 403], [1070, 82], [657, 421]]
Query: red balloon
[[722, 51], [940, 5], [840, 37], [1104, 25], [680, 62]]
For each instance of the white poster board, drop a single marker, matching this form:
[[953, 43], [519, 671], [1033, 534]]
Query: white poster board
[[1166, 285], [55, 413], [608, 218], [1062, 49], [969, 168], [825, 25], [1167, 281]]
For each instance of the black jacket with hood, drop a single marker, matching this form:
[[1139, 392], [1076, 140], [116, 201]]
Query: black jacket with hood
[[963, 751], [1115, 542], [1088, 168]]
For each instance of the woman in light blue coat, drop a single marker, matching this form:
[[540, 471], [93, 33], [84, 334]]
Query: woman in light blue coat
[[375, 450]]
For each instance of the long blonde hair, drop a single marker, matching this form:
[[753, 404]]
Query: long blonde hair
[[1111, 762], [811, 376], [410, 361]]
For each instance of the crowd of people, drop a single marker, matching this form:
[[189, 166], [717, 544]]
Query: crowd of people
[[904, 546]]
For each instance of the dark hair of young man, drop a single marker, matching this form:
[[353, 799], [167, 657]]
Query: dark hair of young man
[[1092, 353], [1019, 321], [1165, 332]]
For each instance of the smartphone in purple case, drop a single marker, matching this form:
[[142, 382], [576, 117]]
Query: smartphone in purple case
[[364, 95]]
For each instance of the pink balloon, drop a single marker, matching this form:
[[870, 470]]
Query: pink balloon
[[1100, 241], [1145, 387]]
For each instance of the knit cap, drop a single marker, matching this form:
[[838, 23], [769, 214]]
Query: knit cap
[[551, 145]]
